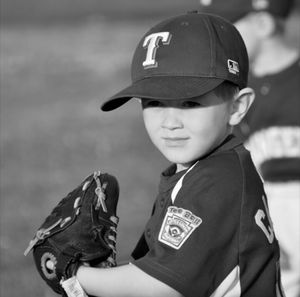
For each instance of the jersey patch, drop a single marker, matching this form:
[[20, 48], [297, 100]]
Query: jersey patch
[[177, 226]]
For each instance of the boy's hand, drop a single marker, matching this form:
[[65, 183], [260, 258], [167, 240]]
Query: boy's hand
[[80, 229]]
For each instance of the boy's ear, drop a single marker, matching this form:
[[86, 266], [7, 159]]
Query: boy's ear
[[241, 105]]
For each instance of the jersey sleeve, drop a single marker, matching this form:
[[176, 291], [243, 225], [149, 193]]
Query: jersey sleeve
[[216, 239]]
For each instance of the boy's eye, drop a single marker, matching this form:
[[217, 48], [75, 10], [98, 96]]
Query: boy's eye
[[190, 104], [151, 103]]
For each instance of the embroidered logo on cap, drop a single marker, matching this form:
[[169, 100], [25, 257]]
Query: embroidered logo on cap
[[151, 42], [233, 67], [177, 226]]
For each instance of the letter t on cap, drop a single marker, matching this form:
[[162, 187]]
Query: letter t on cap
[[151, 42]]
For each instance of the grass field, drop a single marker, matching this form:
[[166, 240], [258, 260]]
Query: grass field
[[53, 135]]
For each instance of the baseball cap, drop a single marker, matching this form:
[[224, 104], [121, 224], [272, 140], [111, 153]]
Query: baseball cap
[[184, 57], [233, 10]]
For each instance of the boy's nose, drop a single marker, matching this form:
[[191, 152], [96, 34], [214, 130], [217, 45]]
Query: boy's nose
[[171, 119]]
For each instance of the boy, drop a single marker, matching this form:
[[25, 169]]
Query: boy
[[272, 126], [210, 233]]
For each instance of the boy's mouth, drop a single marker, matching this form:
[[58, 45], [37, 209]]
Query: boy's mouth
[[175, 141]]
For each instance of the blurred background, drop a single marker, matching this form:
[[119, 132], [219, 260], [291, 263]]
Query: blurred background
[[59, 60]]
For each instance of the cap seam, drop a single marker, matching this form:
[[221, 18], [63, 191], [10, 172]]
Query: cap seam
[[212, 43]]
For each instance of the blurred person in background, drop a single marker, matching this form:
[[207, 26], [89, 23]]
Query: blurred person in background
[[271, 129]]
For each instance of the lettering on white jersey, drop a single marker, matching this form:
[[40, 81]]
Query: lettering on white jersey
[[151, 42], [262, 214], [177, 226], [274, 143]]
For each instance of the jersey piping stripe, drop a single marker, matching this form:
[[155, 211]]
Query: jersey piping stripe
[[230, 286], [179, 184]]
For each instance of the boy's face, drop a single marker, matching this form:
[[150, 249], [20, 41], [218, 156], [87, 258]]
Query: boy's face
[[185, 130]]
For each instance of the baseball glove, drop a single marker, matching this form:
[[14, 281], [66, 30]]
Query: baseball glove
[[80, 229]]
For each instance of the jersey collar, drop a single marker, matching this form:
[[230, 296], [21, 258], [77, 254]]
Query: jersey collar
[[169, 177]]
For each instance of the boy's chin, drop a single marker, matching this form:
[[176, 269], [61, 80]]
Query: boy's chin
[[180, 162]]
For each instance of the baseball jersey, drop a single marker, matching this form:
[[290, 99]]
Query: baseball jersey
[[210, 233], [272, 125]]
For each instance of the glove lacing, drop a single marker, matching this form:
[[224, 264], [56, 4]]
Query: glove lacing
[[99, 191], [112, 242]]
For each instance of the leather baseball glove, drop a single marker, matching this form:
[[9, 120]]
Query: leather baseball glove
[[80, 229]]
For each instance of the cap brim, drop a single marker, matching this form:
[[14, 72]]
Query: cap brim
[[164, 88]]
